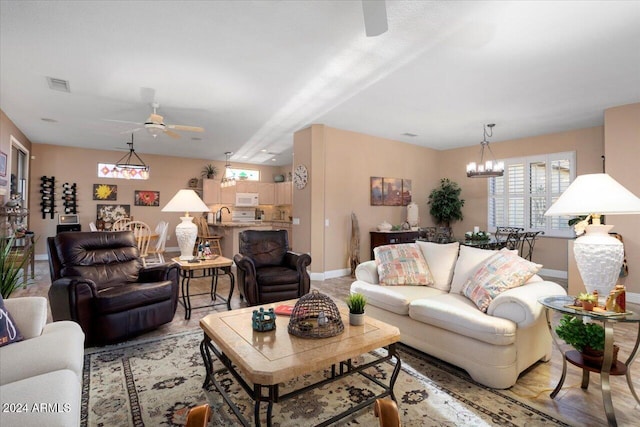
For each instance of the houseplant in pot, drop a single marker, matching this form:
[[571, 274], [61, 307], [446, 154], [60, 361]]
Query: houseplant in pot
[[587, 338], [446, 204], [10, 266], [209, 171], [356, 303]]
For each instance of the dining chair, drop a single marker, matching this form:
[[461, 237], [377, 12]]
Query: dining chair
[[528, 242], [386, 410], [119, 224], [204, 235], [142, 233], [509, 237], [157, 251], [199, 416], [92, 226]]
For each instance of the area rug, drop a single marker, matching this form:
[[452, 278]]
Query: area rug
[[155, 382]]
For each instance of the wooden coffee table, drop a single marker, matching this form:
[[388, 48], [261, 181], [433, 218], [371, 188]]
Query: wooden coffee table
[[206, 267], [260, 361]]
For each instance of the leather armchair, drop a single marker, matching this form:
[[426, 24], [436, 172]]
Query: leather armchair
[[98, 280], [267, 270]]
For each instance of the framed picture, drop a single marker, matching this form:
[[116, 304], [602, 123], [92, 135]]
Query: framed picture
[[392, 191], [105, 192], [146, 198], [406, 192], [376, 191], [3, 164], [108, 214]]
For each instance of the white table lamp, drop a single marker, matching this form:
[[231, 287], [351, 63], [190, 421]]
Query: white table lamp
[[598, 255], [186, 231]]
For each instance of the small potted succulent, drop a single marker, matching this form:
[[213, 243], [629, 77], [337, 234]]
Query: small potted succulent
[[587, 300], [356, 303]]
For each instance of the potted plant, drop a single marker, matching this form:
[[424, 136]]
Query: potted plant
[[446, 204], [587, 338], [356, 303], [209, 171], [587, 300], [10, 265]]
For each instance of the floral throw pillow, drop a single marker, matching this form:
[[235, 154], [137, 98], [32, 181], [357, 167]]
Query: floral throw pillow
[[402, 264], [9, 333], [501, 271]]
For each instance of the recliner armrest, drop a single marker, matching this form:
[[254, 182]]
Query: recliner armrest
[[70, 298], [297, 261], [158, 273], [521, 305], [246, 264]]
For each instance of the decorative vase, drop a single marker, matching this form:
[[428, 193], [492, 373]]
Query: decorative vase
[[384, 226], [599, 258], [412, 214], [356, 319]]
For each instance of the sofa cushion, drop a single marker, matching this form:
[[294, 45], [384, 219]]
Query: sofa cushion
[[503, 270], [458, 314], [402, 264], [395, 299], [441, 259], [9, 332]]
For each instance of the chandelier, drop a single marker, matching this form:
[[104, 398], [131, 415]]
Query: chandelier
[[489, 168], [131, 165], [228, 179]]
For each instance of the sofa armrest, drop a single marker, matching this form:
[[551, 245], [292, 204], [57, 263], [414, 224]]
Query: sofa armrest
[[521, 305], [29, 314], [367, 272]]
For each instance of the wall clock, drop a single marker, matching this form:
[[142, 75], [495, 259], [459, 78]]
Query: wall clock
[[300, 176]]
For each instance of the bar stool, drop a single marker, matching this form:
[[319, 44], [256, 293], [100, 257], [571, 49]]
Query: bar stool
[[214, 244]]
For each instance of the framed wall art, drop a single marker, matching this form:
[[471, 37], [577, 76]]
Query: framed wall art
[[146, 198], [108, 214], [105, 192], [3, 164], [376, 191], [406, 192], [392, 191]]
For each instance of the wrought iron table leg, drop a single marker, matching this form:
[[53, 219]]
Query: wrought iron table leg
[[556, 390], [396, 370], [629, 361], [604, 374], [186, 300]]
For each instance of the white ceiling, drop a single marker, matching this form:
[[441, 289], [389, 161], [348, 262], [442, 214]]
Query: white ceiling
[[253, 72]]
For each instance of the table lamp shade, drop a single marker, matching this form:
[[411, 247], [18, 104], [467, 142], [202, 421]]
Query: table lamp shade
[[186, 231], [598, 255]]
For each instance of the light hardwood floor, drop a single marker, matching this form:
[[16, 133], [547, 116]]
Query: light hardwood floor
[[576, 406]]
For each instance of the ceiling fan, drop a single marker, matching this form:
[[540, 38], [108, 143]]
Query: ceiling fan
[[155, 125]]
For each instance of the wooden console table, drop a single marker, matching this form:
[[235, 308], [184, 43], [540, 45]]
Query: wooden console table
[[380, 238]]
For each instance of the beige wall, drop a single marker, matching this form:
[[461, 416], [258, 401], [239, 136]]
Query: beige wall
[[8, 129], [588, 145], [622, 151], [67, 164]]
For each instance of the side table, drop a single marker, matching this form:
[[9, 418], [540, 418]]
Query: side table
[[207, 267], [561, 304]]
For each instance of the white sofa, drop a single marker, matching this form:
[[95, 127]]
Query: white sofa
[[493, 347], [41, 376]]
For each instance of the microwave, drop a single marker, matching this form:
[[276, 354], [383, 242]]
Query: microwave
[[246, 199]]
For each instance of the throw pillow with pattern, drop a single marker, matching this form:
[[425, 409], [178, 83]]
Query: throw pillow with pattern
[[9, 332], [402, 264]]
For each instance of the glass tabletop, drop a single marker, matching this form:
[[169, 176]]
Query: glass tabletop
[[562, 304]]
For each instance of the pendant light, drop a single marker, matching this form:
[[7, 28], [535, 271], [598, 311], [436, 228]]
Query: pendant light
[[491, 167], [228, 179], [131, 165]]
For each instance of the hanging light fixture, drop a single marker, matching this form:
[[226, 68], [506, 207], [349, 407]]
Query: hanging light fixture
[[228, 179], [489, 168], [131, 165]]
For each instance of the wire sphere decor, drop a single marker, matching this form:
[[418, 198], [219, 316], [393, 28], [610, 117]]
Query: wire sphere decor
[[315, 315]]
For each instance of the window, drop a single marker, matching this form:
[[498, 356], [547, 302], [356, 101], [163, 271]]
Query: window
[[530, 185], [245, 174], [109, 170]]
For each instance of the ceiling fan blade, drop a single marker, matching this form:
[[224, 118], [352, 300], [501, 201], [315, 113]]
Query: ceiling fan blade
[[131, 130], [172, 134], [375, 17], [123, 121], [187, 128]]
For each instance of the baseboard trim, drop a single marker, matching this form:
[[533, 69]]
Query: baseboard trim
[[330, 274]]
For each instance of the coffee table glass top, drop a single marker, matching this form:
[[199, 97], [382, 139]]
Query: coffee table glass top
[[275, 356]]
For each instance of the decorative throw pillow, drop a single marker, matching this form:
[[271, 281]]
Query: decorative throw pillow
[[9, 332], [503, 270], [402, 264], [441, 259]]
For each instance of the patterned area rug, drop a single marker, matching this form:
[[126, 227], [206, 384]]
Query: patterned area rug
[[154, 383]]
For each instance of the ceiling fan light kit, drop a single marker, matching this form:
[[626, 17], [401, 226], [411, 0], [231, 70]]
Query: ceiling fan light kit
[[131, 165], [490, 168]]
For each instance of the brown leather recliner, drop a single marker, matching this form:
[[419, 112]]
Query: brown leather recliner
[[98, 281], [267, 270]]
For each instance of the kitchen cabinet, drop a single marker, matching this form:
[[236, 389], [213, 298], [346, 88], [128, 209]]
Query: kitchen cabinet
[[380, 238], [266, 193], [283, 193], [211, 191], [228, 195], [246, 186]]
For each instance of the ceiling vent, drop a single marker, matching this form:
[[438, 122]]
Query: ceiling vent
[[58, 84]]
